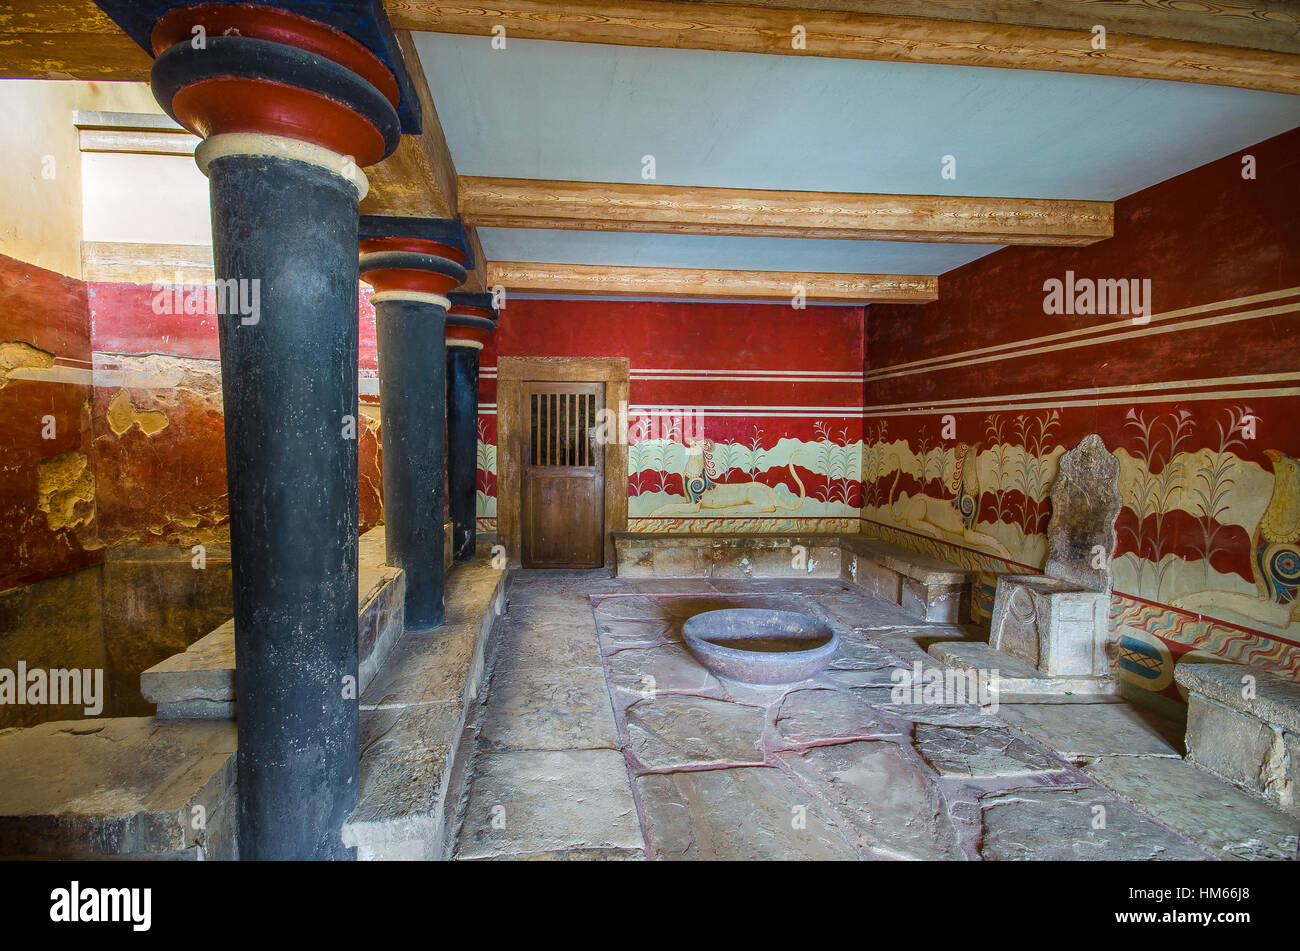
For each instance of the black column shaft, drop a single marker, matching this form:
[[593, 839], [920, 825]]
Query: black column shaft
[[289, 379], [462, 447], [412, 394]]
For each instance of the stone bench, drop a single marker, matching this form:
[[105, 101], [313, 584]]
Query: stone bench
[[158, 788], [927, 588], [199, 682], [725, 556], [1243, 725]]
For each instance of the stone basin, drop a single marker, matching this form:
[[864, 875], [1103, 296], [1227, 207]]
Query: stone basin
[[760, 647]]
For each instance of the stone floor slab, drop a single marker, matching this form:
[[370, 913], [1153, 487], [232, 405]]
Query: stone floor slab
[[1205, 809], [670, 731], [1077, 730], [637, 671], [549, 708], [1067, 825], [888, 805], [535, 802], [807, 716], [978, 751], [738, 814]]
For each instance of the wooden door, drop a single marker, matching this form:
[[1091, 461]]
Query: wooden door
[[563, 506]]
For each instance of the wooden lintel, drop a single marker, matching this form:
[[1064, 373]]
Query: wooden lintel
[[590, 279], [598, 206]]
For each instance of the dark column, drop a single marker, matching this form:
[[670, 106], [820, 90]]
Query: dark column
[[470, 323], [412, 276], [290, 110]]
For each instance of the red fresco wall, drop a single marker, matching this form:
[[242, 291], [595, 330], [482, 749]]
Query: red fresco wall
[[771, 386], [140, 453], [47, 498], [1200, 402]]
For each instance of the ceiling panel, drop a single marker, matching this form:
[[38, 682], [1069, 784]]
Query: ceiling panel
[[634, 249], [588, 112]]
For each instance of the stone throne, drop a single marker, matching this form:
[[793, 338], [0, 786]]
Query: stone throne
[[1057, 621]]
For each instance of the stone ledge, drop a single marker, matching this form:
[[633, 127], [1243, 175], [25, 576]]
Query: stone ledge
[[912, 565], [1019, 681], [199, 682], [1276, 700], [128, 787], [412, 717]]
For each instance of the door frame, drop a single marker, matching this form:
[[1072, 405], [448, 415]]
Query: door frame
[[512, 373]]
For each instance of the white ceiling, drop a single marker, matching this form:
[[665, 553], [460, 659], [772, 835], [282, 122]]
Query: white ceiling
[[587, 112]]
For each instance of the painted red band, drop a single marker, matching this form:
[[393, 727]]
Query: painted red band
[[418, 245], [277, 26], [234, 104], [476, 334], [405, 279]]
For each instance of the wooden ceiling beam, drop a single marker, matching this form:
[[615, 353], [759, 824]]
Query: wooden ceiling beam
[[845, 34], [66, 39], [668, 209], [1253, 24], [600, 280]]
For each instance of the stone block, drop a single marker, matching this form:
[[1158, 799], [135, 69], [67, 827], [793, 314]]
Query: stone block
[[407, 756], [878, 581], [1052, 625], [933, 602], [117, 787], [1241, 725], [1240, 748]]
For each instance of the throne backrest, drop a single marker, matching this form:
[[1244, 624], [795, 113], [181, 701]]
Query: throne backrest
[[1085, 503]]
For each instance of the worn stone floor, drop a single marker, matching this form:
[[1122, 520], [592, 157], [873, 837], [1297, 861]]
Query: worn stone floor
[[601, 738]]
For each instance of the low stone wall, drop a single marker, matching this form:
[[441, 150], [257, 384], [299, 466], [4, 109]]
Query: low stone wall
[[925, 587], [200, 681], [140, 605], [124, 787], [165, 787]]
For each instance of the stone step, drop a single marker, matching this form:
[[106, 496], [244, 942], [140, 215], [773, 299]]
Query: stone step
[[1022, 682]]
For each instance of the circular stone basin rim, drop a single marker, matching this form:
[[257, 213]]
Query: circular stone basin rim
[[707, 634]]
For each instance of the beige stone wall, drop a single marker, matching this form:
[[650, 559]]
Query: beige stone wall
[[40, 165]]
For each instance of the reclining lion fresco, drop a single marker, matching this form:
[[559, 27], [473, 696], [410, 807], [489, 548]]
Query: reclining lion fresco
[[951, 519], [704, 492]]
